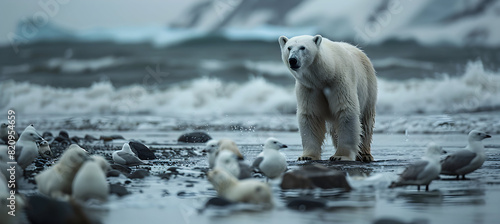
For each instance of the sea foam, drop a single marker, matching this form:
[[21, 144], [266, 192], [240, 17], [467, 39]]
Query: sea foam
[[475, 90]]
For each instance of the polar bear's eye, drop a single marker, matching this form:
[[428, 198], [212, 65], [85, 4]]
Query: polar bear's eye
[[302, 48], [289, 48]]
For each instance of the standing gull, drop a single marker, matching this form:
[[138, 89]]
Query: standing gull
[[466, 160], [228, 161], [126, 157], [271, 162], [26, 146], [423, 171]]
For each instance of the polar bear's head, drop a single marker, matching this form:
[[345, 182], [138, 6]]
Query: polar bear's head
[[299, 52]]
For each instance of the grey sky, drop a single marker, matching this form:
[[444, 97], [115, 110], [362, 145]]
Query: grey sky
[[88, 14]]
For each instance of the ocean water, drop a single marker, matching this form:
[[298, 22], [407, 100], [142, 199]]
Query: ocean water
[[232, 87]]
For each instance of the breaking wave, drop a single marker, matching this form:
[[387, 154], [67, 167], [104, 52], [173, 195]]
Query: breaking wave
[[475, 90]]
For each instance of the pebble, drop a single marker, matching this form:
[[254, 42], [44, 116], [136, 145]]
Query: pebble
[[118, 190], [305, 204], [139, 174], [194, 137], [314, 176], [142, 151]]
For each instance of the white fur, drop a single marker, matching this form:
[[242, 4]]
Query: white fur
[[56, 181], [335, 84], [90, 181], [246, 191]]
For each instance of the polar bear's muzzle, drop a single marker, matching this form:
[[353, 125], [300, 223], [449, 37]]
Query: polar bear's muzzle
[[294, 63]]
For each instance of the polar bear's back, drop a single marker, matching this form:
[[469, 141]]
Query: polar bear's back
[[352, 63], [332, 51]]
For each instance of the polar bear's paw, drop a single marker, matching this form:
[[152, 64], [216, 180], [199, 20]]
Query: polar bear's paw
[[340, 158], [305, 158], [365, 158]]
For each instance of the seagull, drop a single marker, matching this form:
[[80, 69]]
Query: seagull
[[228, 161], [126, 157], [466, 160], [56, 181], [26, 146], [44, 149], [4, 133], [234, 190], [213, 147], [90, 181], [271, 162], [423, 171]]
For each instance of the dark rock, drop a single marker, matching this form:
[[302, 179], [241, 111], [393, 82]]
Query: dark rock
[[105, 138], [62, 138], [173, 170], [142, 151], [194, 137], [313, 176], [108, 138], [127, 182], [185, 194], [113, 173], [305, 204], [75, 140], [90, 138], [117, 137], [125, 170], [387, 220], [165, 176], [41, 209], [218, 202], [48, 136], [118, 190], [139, 174], [63, 134]]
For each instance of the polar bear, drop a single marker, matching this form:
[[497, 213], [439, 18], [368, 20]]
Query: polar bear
[[336, 90]]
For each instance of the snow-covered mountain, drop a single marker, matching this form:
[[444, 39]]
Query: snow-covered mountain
[[363, 22], [457, 22]]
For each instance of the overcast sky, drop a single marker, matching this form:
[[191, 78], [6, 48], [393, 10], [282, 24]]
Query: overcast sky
[[88, 14]]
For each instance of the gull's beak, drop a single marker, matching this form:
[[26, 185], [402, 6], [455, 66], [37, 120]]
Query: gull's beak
[[284, 146], [487, 136]]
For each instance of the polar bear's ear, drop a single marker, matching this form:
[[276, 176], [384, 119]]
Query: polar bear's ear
[[282, 40], [317, 39]]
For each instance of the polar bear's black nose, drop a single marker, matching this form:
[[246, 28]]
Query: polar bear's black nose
[[294, 63]]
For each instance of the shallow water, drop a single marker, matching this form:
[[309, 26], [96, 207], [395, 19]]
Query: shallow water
[[181, 199]]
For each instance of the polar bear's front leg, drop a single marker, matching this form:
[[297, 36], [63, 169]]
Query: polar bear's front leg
[[348, 137], [347, 128], [312, 131]]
